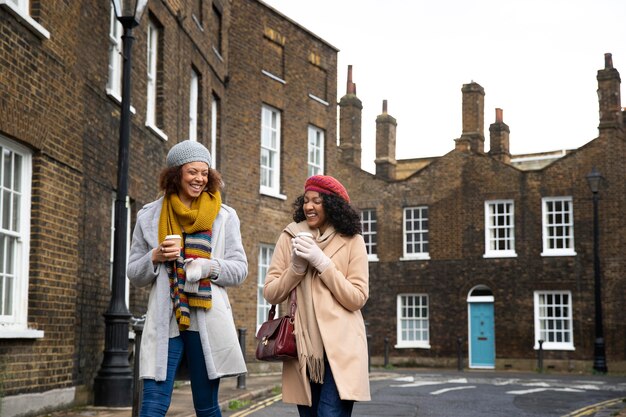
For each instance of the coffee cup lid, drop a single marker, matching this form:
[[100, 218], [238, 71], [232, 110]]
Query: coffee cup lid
[[172, 237]]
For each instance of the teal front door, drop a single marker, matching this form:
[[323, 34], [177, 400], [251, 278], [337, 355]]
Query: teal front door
[[482, 346]]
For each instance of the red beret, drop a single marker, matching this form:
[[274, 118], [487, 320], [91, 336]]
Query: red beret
[[326, 184]]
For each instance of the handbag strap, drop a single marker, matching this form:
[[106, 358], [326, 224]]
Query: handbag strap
[[292, 306]]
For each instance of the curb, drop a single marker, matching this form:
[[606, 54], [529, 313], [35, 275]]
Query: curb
[[247, 396]]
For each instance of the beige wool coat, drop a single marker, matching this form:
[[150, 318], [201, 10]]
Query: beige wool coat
[[339, 293]]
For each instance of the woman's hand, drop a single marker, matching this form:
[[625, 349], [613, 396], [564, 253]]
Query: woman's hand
[[306, 248], [298, 264], [167, 251]]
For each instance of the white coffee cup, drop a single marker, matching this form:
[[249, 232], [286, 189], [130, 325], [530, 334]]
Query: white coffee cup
[[305, 234], [174, 238]]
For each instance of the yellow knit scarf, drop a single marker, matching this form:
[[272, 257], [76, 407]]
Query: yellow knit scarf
[[189, 222]]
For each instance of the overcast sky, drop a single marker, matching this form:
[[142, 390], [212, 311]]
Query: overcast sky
[[536, 59]]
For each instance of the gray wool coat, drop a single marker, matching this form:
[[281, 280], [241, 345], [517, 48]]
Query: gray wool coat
[[217, 330]]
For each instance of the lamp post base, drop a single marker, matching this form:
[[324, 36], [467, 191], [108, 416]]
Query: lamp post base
[[113, 391], [599, 358]]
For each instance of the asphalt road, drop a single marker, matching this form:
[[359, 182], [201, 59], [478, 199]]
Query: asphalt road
[[469, 394]]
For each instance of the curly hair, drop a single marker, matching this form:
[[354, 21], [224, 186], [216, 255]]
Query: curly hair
[[169, 180], [344, 218]]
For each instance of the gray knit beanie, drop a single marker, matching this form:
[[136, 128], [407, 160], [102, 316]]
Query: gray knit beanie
[[187, 151]]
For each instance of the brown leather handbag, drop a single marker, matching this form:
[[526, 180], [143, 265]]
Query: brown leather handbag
[[276, 341]]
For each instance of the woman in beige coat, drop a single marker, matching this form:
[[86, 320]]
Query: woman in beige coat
[[322, 256]]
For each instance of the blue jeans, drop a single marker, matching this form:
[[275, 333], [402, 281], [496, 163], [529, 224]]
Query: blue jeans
[[157, 395], [325, 399]]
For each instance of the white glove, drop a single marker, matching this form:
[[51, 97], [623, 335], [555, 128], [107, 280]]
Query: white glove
[[305, 247], [298, 264], [198, 268]]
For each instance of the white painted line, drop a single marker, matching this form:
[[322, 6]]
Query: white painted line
[[526, 391], [442, 391]]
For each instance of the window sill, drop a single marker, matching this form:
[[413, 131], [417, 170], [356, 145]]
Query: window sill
[[116, 98], [555, 346], [423, 345], [217, 53], [28, 21], [558, 253], [421, 257], [157, 131], [372, 258], [272, 193], [21, 334], [502, 254], [273, 77], [319, 100]]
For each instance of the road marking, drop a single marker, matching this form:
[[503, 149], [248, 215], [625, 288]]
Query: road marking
[[592, 409], [532, 391], [442, 391], [418, 384], [256, 407]]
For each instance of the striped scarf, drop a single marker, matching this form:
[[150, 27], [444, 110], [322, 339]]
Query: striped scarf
[[195, 225]]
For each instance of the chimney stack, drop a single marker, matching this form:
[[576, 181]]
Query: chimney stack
[[385, 145], [473, 113], [350, 109], [499, 139], [609, 98]]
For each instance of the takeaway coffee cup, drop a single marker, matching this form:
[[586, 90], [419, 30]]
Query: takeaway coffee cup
[[305, 234], [174, 238]]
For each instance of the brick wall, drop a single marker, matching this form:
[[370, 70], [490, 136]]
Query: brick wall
[[304, 58]]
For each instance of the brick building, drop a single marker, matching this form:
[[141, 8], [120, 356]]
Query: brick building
[[252, 85], [487, 252]]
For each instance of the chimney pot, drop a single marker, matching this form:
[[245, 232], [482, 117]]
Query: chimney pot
[[350, 86], [498, 115], [384, 106], [608, 61]]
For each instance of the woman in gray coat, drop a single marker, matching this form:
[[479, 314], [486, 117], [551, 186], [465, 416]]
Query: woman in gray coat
[[189, 314]]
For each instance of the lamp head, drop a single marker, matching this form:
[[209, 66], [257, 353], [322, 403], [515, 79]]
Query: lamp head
[[593, 179], [129, 12]]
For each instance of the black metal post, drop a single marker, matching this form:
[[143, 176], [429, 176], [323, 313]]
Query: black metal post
[[386, 364], [113, 384], [241, 379], [599, 357], [459, 354], [540, 356], [137, 382]]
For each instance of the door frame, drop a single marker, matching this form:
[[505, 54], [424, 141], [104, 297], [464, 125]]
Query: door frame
[[479, 299]]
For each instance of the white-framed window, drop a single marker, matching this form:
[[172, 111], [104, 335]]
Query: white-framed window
[[558, 226], [262, 306], [153, 48], [415, 233], [412, 316], [316, 151], [128, 236], [152, 80], [20, 9], [193, 105], [270, 151], [114, 82], [368, 227], [215, 125], [15, 197], [553, 320], [499, 228]]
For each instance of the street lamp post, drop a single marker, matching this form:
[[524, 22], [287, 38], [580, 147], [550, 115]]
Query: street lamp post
[[599, 358], [113, 384]]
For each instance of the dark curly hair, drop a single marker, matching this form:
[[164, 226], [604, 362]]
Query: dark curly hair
[[344, 218], [169, 180]]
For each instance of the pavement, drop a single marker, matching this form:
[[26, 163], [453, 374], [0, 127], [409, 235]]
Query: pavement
[[235, 393]]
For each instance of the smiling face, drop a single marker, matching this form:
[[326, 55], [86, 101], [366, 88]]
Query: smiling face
[[314, 211], [194, 178]]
